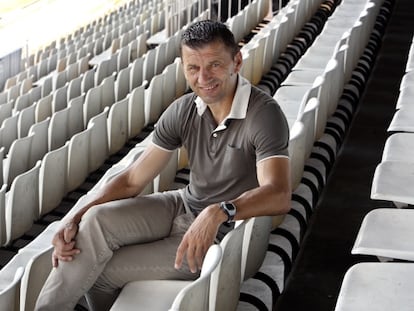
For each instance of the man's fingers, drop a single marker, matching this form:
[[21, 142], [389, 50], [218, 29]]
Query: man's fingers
[[69, 232]]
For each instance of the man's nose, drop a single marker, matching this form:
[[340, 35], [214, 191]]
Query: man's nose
[[204, 75]]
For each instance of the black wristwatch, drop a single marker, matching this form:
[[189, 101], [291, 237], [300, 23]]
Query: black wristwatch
[[230, 210]]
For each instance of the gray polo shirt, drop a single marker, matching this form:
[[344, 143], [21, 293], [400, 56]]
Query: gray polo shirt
[[223, 157]]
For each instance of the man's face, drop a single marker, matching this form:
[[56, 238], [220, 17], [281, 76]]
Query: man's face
[[211, 71]]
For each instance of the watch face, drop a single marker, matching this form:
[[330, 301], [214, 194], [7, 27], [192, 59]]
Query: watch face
[[231, 208]]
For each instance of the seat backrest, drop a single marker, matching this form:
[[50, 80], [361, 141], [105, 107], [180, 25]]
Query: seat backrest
[[225, 281], [197, 292], [98, 147], [17, 161], [3, 214], [308, 118], [40, 145], [118, 125], [255, 244], [52, 179], [35, 275], [22, 203], [297, 147], [154, 99], [58, 129], [9, 296], [136, 110], [78, 155]]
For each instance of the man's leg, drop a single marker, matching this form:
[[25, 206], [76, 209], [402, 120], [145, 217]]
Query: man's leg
[[104, 229], [148, 261]]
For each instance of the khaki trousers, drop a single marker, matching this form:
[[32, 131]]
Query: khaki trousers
[[120, 241]]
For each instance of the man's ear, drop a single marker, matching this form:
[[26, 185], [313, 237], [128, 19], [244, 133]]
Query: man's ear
[[238, 61]]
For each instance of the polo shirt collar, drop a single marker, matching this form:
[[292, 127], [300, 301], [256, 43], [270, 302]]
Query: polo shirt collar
[[238, 106]]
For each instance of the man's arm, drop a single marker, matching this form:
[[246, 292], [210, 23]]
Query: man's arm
[[127, 184], [271, 198]]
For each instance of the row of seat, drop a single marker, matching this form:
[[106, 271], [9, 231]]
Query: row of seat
[[384, 231], [93, 42], [295, 129]]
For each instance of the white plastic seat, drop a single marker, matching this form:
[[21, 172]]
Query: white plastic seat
[[78, 155], [92, 105], [393, 182], [5, 111], [9, 131], [44, 108], [52, 179], [118, 125], [3, 234], [405, 98], [75, 115], [399, 147], [136, 111], [136, 77], [98, 149], [122, 83], [402, 120], [9, 294], [377, 287], [60, 99], [154, 99], [385, 233], [26, 119], [169, 86], [22, 203], [39, 146], [17, 160], [297, 147], [35, 275], [149, 64], [74, 88], [58, 129], [108, 91]]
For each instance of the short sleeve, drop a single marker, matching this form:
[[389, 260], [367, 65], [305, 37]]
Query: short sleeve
[[167, 129], [269, 131]]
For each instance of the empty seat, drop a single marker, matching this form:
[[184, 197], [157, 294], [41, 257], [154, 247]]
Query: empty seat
[[35, 274], [118, 125], [22, 203], [53, 179], [377, 287], [78, 155], [385, 233], [17, 160], [9, 294]]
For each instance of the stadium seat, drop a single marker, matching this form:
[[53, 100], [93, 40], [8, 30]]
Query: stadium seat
[[9, 294], [383, 233], [22, 203], [17, 159], [376, 286], [53, 179], [35, 274]]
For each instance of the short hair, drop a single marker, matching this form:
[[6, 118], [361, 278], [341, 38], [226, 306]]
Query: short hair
[[201, 33]]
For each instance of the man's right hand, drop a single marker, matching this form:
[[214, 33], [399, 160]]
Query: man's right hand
[[64, 243]]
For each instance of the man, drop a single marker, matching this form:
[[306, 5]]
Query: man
[[237, 139]]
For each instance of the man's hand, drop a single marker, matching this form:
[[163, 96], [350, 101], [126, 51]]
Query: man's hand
[[64, 243], [199, 237]]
